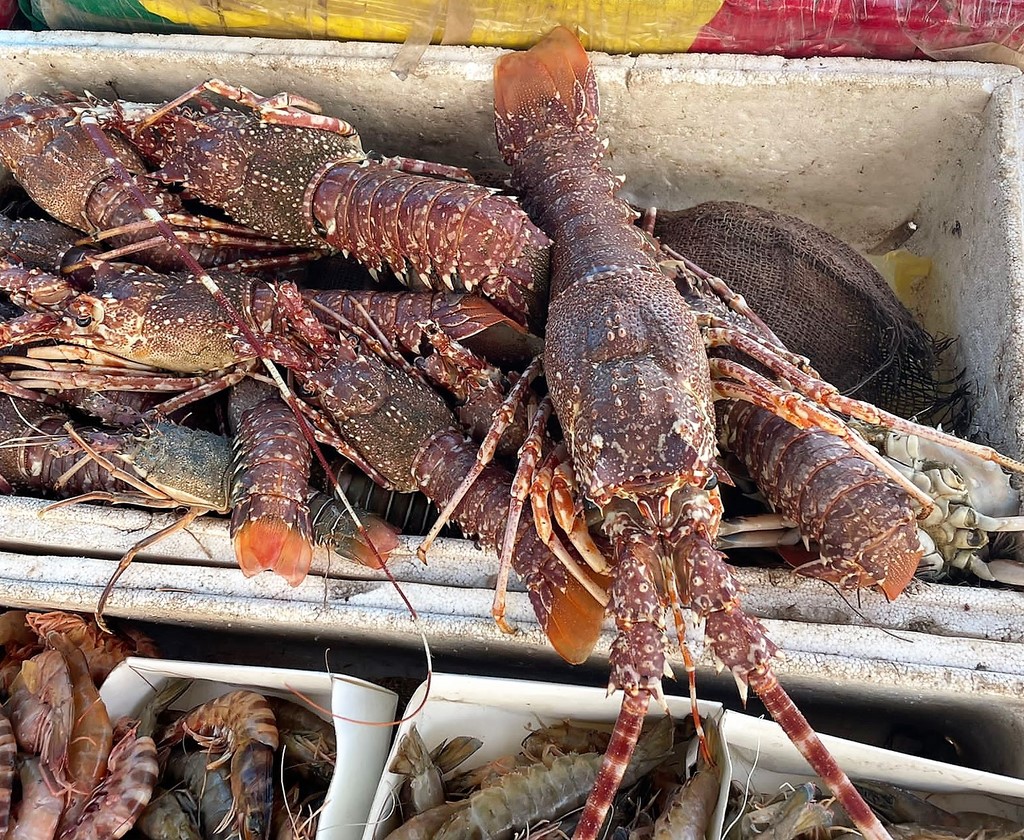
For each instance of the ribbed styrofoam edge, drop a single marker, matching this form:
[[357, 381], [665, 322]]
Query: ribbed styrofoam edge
[[969, 612], [456, 618]]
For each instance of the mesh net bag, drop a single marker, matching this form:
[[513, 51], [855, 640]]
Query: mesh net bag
[[822, 299]]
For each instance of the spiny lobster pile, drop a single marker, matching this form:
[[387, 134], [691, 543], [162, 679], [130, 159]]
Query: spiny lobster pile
[[650, 366]]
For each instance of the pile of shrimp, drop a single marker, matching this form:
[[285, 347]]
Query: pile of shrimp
[[65, 770], [242, 766], [239, 767], [802, 813], [670, 788]]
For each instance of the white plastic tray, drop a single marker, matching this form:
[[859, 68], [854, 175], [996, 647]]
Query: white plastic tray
[[501, 713], [359, 708]]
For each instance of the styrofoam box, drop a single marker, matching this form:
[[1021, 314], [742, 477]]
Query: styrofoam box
[[763, 759], [856, 146], [360, 710], [758, 755], [501, 713]]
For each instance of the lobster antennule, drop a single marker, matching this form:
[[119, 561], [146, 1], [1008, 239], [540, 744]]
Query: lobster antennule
[[550, 84], [613, 766], [271, 544], [795, 725]]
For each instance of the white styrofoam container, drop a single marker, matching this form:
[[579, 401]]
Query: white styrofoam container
[[361, 712], [939, 144], [763, 759], [501, 714], [759, 757]]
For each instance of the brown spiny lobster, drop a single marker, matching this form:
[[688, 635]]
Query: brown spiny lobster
[[863, 526], [391, 425], [165, 466], [633, 389], [61, 168], [277, 165]]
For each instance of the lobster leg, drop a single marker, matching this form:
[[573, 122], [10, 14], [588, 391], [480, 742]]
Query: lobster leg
[[424, 167], [502, 419], [829, 396], [282, 108], [529, 456], [735, 301]]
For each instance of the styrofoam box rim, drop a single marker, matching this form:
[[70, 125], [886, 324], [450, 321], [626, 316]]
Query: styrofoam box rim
[[758, 754], [356, 707]]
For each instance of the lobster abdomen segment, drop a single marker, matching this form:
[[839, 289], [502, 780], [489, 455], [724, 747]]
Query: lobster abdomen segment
[[433, 232], [864, 525]]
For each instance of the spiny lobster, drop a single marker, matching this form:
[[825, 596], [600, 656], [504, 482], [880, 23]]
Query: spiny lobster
[[633, 389], [278, 165], [63, 171], [166, 466], [391, 425]]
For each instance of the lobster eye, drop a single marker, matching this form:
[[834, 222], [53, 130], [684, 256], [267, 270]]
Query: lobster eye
[[712, 482], [83, 320]]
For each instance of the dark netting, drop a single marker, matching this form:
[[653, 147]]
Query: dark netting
[[822, 299]]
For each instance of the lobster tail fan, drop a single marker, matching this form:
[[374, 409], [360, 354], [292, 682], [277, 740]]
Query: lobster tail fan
[[381, 538], [550, 86], [270, 544], [900, 572], [573, 621]]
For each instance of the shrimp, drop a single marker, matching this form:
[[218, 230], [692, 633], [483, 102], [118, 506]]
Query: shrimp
[[42, 707], [242, 723], [211, 787], [426, 825], [19, 643], [521, 799], [8, 751], [688, 813], [423, 787], [103, 651], [308, 742], [132, 773], [170, 815], [91, 735], [565, 737], [37, 814], [795, 814], [541, 746]]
